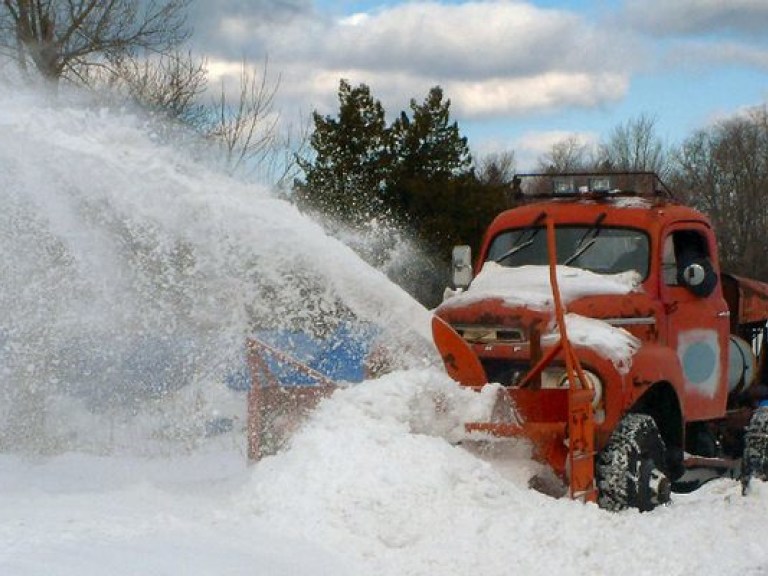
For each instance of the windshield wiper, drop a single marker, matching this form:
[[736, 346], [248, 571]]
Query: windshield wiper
[[531, 228], [516, 248], [583, 244]]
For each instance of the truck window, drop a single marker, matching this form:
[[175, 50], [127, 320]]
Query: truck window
[[603, 250], [681, 246], [669, 262]]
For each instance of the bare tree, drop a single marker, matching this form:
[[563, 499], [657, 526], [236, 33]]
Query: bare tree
[[497, 168], [634, 146], [247, 127], [169, 85], [570, 154], [723, 170], [62, 37]]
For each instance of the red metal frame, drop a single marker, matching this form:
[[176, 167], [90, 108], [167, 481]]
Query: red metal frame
[[275, 410], [581, 423]]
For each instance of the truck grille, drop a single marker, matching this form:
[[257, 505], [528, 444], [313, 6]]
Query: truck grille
[[487, 334], [504, 372]]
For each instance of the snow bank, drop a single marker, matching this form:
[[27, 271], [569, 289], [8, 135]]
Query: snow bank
[[371, 485]]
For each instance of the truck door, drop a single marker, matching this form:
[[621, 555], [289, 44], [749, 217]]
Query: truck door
[[697, 318]]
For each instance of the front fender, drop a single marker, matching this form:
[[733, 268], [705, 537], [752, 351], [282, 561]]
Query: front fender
[[654, 363]]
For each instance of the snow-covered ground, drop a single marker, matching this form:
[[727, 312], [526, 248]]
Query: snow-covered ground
[[370, 486], [130, 277]]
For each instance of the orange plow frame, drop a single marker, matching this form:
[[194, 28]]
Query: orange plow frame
[[559, 422], [274, 410]]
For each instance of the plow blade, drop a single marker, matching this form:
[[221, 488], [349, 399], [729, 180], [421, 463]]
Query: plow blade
[[558, 422], [539, 416], [276, 408]]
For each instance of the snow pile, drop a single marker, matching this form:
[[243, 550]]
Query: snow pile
[[370, 486], [528, 286]]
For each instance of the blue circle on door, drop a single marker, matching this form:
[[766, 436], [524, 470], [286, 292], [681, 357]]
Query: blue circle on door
[[699, 362]]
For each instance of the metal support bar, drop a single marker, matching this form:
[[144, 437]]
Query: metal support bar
[[581, 438]]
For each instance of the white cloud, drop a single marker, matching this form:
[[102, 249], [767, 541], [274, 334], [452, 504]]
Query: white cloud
[[709, 54], [543, 91], [493, 58], [356, 19], [219, 70]]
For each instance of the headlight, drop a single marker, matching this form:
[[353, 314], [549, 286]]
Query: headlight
[[559, 379]]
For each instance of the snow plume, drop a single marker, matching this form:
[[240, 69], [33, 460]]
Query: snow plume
[[395, 251], [130, 271]]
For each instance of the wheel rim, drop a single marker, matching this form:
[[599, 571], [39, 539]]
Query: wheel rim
[[653, 486]]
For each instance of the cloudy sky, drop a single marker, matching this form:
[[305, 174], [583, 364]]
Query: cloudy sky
[[520, 74]]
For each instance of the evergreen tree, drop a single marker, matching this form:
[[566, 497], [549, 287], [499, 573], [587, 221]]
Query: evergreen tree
[[348, 173], [416, 173], [429, 145]]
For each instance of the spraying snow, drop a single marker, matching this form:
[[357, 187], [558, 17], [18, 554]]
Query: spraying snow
[[131, 270], [130, 276]]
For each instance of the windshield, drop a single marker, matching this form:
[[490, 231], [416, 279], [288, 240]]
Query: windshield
[[599, 250]]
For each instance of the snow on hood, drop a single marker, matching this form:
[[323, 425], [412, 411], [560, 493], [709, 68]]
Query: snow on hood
[[529, 287]]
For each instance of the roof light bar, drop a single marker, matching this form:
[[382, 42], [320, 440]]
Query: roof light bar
[[600, 184], [563, 186]]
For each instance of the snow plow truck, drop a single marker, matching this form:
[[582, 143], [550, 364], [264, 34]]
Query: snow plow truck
[[618, 347]]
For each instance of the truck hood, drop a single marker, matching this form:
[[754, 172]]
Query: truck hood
[[508, 302]]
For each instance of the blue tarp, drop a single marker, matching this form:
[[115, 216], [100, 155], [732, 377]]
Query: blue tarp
[[340, 356]]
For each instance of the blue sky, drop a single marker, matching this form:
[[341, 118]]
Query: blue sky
[[521, 75]]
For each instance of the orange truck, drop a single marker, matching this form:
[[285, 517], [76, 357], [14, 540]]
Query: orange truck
[[631, 361]]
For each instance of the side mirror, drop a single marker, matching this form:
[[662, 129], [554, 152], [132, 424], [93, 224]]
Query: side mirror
[[461, 267], [699, 277], [694, 274]]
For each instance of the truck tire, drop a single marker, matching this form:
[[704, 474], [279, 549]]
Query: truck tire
[[629, 469], [755, 462]]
